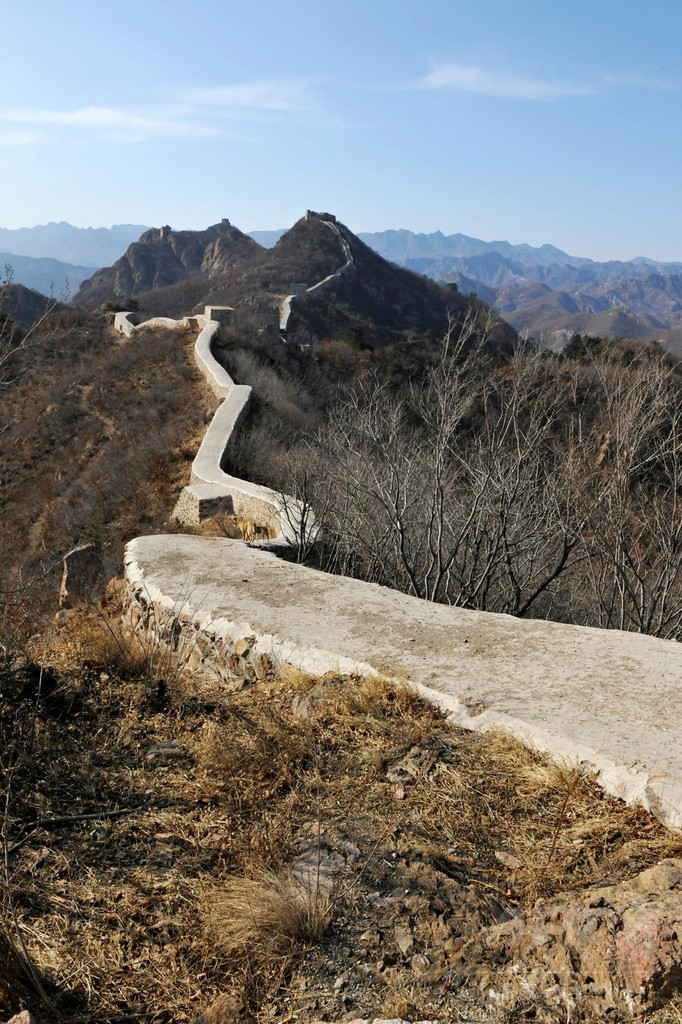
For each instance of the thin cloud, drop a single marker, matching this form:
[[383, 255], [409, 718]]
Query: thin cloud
[[18, 138], [116, 124], [479, 81], [642, 82], [287, 94], [197, 113]]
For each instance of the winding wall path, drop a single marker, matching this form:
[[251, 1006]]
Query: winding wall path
[[608, 700], [290, 299], [211, 489]]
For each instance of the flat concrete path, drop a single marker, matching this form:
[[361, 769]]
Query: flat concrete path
[[612, 700]]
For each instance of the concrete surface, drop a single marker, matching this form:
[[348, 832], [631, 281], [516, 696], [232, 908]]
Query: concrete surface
[[608, 699]]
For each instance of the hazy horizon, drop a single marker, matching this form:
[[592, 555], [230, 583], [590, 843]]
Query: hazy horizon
[[356, 230], [536, 123]]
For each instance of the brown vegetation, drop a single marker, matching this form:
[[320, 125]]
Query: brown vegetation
[[97, 435], [348, 840], [532, 485], [271, 915]]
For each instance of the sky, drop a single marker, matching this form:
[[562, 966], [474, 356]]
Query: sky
[[526, 120]]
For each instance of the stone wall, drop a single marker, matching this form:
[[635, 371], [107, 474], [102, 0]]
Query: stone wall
[[211, 489], [300, 292], [590, 697]]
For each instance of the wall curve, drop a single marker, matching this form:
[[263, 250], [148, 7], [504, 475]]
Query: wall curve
[[286, 309], [211, 489]]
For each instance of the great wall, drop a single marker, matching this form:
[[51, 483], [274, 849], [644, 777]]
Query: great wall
[[607, 700], [211, 489], [286, 310]]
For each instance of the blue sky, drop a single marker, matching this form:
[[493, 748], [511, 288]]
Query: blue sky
[[529, 120]]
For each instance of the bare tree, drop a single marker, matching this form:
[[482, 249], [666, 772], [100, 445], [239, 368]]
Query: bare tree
[[529, 486], [632, 522], [453, 492]]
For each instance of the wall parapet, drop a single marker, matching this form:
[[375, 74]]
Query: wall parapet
[[211, 489], [586, 696], [301, 292]]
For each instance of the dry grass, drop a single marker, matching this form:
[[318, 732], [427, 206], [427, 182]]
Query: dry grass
[[98, 438], [269, 915], [190, 893]]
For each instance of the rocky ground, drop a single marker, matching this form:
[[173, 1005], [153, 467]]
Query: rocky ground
[[300, 849]]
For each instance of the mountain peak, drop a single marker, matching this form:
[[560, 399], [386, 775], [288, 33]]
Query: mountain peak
[[163, 256]]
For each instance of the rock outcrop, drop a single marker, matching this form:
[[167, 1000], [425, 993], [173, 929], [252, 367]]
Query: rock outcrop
[[618, 947], [164, 257]]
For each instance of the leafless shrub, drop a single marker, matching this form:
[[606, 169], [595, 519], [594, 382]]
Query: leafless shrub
[[530, 486], [631, 519]]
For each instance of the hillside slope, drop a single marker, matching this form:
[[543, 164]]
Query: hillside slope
[[374, 301], [25, 305], [91, 439], [164, 257]]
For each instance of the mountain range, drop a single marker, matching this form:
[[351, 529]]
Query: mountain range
[[92, 247], [540, 290], [435, 250], [45, 274], [543, 291], [373, 303], [56, 257], [163, 257]]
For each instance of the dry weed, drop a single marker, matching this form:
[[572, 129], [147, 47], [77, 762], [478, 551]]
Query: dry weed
[[252, 753], [418, 812], [269, 915]]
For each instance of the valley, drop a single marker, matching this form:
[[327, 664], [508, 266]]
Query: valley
[[286, 793]]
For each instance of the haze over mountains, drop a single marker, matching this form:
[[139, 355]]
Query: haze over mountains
[[46, 275], [541, 290], [403, 246], [373, 302], [57, 257], [92, 247]]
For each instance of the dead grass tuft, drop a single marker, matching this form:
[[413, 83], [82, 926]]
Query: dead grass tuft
[[259, 755], [271, 914]]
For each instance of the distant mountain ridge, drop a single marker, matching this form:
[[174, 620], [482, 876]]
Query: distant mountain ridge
[[402, 245], [498, 271], [45, 274], [544, 292], [89, 247], [434, 249], [648, 308]]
